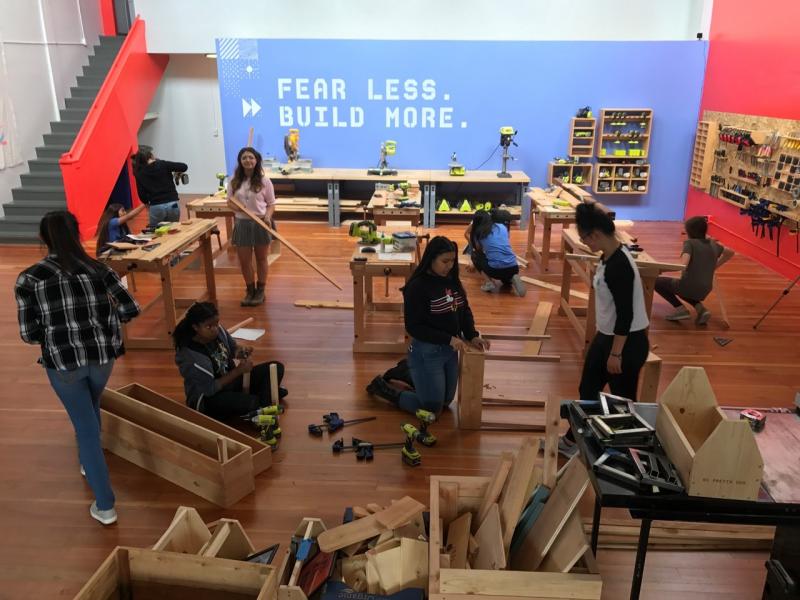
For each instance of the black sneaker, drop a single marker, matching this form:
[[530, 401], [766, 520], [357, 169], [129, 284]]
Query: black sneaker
[[379, 388]]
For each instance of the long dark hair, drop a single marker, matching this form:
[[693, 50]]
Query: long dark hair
[[111, 211], [437, 246], [238, 175], [197, 313], [590, 216], [482, 224], [141, 157], [59, 230]]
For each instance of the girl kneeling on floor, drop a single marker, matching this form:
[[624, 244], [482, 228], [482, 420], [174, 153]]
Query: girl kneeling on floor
[[212, 381], [492, 254], [440, 323]]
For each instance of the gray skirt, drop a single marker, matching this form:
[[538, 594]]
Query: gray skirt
[[248, 233]]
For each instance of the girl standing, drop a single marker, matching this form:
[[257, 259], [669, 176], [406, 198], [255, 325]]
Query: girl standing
[[252, 189], [440, 323], [71, 305], [155, 182]]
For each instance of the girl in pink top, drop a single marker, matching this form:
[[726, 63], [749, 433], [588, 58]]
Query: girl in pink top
[[254, 191]]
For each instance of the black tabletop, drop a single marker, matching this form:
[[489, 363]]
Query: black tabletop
[[673, 506]]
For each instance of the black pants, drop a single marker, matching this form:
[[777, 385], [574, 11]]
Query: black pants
[[482, 264], [233, 400], [667, 288], [595, 374]]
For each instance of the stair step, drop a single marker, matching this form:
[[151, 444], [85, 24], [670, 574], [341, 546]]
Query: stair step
[[65, 126], [87, 91], [78, 102], [39, 179], [73, 114], [11, 233], [105, 51], [90, 81], [44, 165], [100, 71], [33, 207], [112, 40], [31, 220], [39, 192], [51, 151], [58, 139]]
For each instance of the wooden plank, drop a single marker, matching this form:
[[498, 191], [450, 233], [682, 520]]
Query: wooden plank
[[458, 540], [504, 356], [562, 502], [400, 513], [513, 497], [520, 584], [187, 533], [538, 327], [324, 304], [491, 552], [569, 547], [553, 287], [373, 508], [470, 389], [494, 488], [448, 502], [552, 422], [349, 534]]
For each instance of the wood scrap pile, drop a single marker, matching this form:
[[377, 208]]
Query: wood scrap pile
[[513, 524]]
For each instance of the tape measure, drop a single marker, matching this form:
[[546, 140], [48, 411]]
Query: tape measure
[[755, 418]]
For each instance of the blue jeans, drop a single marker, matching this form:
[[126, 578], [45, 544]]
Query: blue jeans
[[434, 371], [169, 211], [79, 391]]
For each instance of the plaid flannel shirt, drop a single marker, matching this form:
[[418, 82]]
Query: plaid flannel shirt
[[75, 318]]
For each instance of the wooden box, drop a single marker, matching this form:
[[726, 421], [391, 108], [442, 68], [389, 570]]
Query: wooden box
[[188, 534], [206, 463], [715, 457], [146, 574], [479, 584], [262, 453]]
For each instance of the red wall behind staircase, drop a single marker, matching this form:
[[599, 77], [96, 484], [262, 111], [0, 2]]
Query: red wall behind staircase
[[108, 134], [753, 69]]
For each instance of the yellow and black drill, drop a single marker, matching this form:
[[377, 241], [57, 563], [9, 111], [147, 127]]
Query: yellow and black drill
[[410, 454], [268, 428], [424, 437]]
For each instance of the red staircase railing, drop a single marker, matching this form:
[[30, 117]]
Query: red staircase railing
[[108, 135]]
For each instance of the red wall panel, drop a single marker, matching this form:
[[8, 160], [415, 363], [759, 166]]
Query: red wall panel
[[752, 68]]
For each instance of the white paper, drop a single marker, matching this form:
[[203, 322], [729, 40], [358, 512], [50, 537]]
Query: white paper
[[395, 256], [243, 333]]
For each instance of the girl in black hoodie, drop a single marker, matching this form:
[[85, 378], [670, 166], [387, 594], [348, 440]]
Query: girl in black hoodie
[[440, 323]]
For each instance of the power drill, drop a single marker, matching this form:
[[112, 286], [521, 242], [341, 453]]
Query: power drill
[[269, 428], [221, 177], [264, 410], [424, 437], [410, 455]]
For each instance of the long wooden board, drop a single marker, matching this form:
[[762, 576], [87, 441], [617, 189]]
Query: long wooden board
[[553, 287], [324, 304], [569, 547], [513, 498], [508, 584], [538, 327], [398, 514], [491, 552], [494, 488]]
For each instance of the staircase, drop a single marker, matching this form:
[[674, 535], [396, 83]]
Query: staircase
[[42, 188]]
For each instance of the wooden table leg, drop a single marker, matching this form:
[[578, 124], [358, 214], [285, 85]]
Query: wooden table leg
[[649, 286], [358, 309], [368, 284], [547, 224], [531, 236], [566, 276], [208, 267], [470, 389], [229, 233], [168, 296]]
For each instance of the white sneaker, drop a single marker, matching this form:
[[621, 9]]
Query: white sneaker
[[519, 286], [489, 286], [106, 517], [680, 314], [83, 471]]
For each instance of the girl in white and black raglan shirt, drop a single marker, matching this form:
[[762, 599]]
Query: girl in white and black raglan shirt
[[620, 347], [440, 323]]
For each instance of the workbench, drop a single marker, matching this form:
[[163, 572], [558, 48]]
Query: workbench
[[383, 206], [212, 207], [164, 259], [578, 259], [543, 209], [776, 505], [365, 308]]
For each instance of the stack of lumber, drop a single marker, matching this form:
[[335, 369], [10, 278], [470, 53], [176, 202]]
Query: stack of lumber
[[511, 535], [385, 548], [303, 204], [623, 534]]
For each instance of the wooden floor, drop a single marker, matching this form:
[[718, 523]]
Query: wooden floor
[[49, 545]]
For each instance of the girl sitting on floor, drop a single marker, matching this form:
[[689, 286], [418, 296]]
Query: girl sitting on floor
[[212, 381], [113, 225]]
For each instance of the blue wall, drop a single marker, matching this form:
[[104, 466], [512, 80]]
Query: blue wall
[[470, 89]]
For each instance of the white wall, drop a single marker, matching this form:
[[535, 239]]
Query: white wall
[[188, 126], [190, 26], [46, 42]]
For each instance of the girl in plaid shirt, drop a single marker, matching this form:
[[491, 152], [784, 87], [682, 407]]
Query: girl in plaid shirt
[[71, 305]]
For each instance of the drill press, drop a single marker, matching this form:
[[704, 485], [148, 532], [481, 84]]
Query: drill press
[[388, 148], [506, 139]]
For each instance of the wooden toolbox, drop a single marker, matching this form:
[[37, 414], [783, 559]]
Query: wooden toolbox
[[188, 534], [146, 574], [200, 460], [715, 457], [451, 496], [262, 453]]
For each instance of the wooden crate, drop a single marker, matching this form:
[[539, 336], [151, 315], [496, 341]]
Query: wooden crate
[[139, 573], [188, 534], [715, 457], [481, 584], [262, 453], [206, 463]]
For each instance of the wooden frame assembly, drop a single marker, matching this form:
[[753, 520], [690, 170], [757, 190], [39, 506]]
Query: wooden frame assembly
[[544, 206], [202, 461]]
